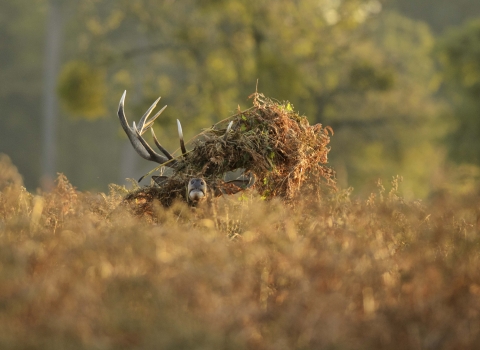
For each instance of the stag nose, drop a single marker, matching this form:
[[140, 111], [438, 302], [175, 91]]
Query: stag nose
[[197, 183]]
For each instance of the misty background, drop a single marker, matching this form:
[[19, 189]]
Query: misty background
[[398, 81]]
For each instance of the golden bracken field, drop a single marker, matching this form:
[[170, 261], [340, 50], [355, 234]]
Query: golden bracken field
[[80, 271]]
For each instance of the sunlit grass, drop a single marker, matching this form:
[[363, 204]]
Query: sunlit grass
[[78, 271]]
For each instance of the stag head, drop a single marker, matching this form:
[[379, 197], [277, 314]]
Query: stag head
[[197, 189]]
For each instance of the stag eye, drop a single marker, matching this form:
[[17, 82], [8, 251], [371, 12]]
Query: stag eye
[[202, 183], [192, 182]]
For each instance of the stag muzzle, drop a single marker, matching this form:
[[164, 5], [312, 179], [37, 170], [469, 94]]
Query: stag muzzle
[[197, 189]]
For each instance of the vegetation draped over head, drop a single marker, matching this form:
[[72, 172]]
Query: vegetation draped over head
[[270, 140]]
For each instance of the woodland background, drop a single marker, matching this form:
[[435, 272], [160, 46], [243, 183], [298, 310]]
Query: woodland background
[[398, 81]]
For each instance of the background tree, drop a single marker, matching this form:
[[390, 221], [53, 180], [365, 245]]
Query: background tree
[[459, 52], [21, 72], [205, 57], [52, 59], [366, 73], [387, 118]]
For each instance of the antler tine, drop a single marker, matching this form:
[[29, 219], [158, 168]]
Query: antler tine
[[130, 133], [150, 122], [121, 113], [180, 135], [244, 181], [159, 146], [141, 123], [138, 143]]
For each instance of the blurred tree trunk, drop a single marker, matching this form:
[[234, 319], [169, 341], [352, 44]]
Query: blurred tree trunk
[[50, 101]]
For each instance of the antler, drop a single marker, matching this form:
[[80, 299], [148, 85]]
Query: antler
[[135, 133]]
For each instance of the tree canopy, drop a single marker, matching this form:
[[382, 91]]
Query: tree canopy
[[459, 52]]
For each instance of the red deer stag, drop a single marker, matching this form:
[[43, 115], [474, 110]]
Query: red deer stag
[[196, 189]]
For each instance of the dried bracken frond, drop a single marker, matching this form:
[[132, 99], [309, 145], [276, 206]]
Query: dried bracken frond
[[79, 271]]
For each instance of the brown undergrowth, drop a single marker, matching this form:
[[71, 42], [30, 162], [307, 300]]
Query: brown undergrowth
[[78, 271], [286, 154]]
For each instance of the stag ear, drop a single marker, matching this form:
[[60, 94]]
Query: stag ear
[[160, 179], [244, 183], [234, 186]]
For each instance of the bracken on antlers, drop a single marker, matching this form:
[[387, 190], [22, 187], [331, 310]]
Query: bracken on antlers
[[270, 142]]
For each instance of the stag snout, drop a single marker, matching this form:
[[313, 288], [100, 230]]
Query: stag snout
[[197, 189]]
